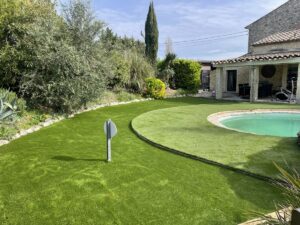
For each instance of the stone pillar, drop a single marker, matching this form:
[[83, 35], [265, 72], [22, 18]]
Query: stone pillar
[[224, 79], [298, 86], [219, 83], [254, 82], [284, 75]]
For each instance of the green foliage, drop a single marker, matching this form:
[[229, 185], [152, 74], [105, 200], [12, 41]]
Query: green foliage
[[129, 70], [13, 99], [155, 88], [140, 69], [6, 131], [64, 81], [60, 63], [56, 64], [151, 35], [16, 18], [120, 77], [165, 71], [187, 74], [26, 120], [10, 106], [11, 110], [167, 62], [127, 58], [112, 42], [84, 30]]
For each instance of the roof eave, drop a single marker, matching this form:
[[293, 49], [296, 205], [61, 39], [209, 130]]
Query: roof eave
[[259, 62], [276, 42]]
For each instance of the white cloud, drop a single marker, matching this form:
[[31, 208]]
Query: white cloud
[[193, 20]]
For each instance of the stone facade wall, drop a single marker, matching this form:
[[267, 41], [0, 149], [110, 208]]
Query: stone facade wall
[[284, 18], [276, 80], [288, 46], [243, 76]]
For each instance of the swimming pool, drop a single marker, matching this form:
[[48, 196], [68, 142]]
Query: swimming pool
[[280, 124]]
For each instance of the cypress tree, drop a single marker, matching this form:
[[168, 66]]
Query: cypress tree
[[151, 35]]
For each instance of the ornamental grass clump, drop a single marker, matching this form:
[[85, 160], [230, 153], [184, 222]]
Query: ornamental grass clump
[[290, 185]]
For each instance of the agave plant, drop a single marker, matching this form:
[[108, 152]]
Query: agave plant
[[8, 110]]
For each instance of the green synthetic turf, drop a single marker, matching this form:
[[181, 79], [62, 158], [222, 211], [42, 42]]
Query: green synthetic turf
[[59, 176], [187, 129]]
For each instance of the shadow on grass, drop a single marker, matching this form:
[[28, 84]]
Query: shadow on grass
[[265, 159], [71, 159]]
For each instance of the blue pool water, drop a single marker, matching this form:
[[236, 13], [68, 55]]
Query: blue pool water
[[273, 124]]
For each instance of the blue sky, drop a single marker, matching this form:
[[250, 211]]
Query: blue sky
[[189, 20]]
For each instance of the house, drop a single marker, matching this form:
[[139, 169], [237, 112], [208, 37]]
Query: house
[[272, 61]]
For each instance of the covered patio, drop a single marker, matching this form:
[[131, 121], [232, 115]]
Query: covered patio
[[258, 76]]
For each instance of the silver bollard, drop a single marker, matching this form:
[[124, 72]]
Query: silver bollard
[[295, 217], [110, 130]]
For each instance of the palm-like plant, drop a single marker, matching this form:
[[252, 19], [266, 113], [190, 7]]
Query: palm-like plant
[[291, 190]]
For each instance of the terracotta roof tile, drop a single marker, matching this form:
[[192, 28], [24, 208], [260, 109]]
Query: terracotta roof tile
[[293, 35], [260, 57]]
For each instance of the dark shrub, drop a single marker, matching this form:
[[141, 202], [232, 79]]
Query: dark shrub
[[187, 74]]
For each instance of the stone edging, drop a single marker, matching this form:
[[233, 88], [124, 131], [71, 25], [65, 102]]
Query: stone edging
[[216, 118], [207, 161], [51, 121], [286, 212]]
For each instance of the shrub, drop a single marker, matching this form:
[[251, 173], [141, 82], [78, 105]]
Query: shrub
[[62, 78], [155, 88], [120, 71], [64, 82], [17, 16], [165, 71], [187, 74], [167, 76]]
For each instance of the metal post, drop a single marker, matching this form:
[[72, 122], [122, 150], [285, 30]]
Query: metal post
[[108, 141], [295, 217]]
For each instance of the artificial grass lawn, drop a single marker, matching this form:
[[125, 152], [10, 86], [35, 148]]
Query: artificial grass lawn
[[187, 129], [58, 176]]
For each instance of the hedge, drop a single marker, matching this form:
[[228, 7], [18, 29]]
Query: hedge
[[187, 74]]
